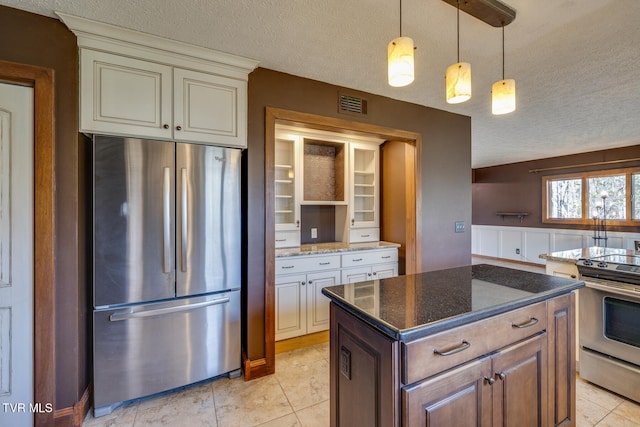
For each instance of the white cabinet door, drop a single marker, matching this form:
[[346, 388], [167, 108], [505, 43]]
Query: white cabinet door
[[287, 185], [364, 198], [318, 304], [125, 96], [384, 271], [291, 302], [209, 108], [358, 274]]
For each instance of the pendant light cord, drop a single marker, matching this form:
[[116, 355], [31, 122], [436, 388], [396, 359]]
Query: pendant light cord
[[400, 18], [503, 52], [458, 30]]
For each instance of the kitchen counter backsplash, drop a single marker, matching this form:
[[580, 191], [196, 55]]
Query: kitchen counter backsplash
[[325, 248]]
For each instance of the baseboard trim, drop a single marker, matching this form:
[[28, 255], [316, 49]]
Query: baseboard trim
[[302, 341], [73, 416]]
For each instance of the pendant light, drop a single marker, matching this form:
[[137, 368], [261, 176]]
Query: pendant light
[[400, 59], [458, 76], [503, 92]]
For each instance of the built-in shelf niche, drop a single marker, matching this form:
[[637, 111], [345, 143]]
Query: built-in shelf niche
[[285, 184], [324, 171]]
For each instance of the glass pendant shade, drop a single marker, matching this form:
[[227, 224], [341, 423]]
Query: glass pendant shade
[[400, 57], [503, 96], [458, 82]]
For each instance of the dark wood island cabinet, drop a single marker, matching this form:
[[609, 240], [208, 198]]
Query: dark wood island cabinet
[[470, 346]]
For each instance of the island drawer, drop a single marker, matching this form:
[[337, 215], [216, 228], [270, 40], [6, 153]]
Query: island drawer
[[303, 264], [436, 353], [356, 258]]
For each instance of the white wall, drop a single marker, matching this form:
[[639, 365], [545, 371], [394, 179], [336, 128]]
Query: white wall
[[505, 242]]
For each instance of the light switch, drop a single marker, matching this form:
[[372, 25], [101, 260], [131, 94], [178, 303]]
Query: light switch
[[459, 226], [314, 233]]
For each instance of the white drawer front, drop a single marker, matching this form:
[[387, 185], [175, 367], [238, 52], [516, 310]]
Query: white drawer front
[[303, 264], [356, 258], [358, 235], [287, 239]]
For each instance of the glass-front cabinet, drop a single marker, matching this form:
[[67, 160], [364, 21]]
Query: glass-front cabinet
[[364, 185], [287, 206]]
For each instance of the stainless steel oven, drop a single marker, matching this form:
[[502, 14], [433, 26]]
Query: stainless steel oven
[[610, 323]]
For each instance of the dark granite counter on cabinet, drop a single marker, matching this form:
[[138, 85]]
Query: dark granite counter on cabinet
[[413, 306], [572, 255]]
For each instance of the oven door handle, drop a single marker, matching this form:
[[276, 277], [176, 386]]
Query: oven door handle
[[532, 321]]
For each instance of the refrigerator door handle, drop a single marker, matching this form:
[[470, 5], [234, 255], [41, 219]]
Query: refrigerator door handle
[[184, 225], [127, 315], [166, 219]]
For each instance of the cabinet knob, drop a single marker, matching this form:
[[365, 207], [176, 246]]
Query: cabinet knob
[[374, 273], [489, 381], [310, 282], [178, 127], [298, 223], [166, 126], [303, 283], [369, 274], [353, 221], [501, 375]]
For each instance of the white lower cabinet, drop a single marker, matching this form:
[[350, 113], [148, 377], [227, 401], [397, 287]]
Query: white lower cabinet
[[362, 274], [300, 306]]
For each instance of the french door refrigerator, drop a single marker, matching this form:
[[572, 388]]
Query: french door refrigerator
[[166, 288]]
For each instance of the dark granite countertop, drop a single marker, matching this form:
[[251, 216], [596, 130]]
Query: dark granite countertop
[[413, 306]]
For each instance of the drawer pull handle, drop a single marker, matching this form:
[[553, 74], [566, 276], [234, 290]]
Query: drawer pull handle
[[281, 240], [325, 263], [365, 235], [357, 259], [532, 321], [287, 266], [573, 276], [385, 257], [465, 345]]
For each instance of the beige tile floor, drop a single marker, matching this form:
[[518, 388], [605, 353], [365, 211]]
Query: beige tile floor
[[298, 395]]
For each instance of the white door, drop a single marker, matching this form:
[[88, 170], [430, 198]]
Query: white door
[[209, 108], [16, 255], [358, 274], [318, 304], [291, 303]]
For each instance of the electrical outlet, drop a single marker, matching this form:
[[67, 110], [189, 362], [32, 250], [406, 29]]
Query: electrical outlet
[[314, 233], [517, 251]]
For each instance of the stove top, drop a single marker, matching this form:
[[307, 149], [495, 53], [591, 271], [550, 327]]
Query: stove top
[[613, 267]]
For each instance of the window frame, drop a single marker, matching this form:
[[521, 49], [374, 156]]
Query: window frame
[[584, 177]]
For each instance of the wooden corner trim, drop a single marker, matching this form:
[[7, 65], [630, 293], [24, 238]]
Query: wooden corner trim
[[256, 368]]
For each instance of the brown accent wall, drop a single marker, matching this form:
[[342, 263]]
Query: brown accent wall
[[512, 188], [446, 175], [36, 40]]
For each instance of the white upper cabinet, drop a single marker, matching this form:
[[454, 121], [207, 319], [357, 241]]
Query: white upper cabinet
[[364, 185], [137, 84], [120, 95], [209, 108]]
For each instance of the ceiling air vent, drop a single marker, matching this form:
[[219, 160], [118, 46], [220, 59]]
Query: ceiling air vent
[[353, 105]]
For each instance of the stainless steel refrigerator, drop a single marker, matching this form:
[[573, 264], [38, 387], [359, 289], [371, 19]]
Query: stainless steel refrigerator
[[166, 286]]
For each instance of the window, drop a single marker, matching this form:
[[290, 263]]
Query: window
[[579, 198]]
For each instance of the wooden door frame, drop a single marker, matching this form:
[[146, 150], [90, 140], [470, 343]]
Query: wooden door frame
[[275, 116], [42, 81]]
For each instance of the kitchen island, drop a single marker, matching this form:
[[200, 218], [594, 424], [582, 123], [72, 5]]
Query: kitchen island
[[474, 345]]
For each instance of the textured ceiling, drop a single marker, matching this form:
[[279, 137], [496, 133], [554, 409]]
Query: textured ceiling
[[576, 62]]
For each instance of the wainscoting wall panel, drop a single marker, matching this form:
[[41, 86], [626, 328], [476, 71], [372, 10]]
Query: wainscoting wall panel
[[525, 244]]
